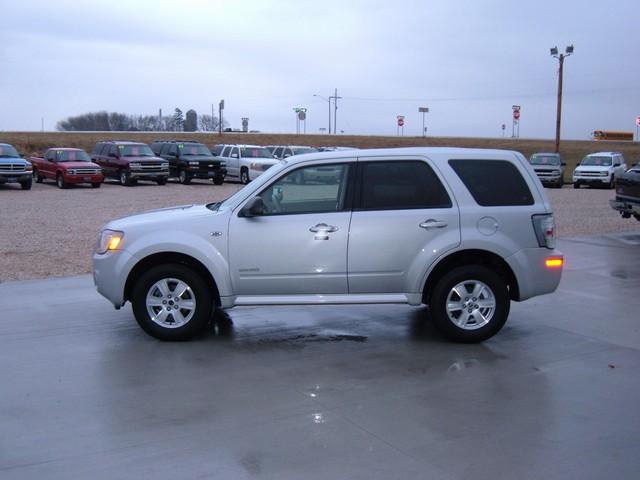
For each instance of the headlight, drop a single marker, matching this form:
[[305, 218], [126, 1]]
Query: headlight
[[109, 240], [223, 164], [604, 174], [134, 165], [72, 172], [255, 166]]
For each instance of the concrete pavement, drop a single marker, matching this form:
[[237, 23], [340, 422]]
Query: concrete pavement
[[371, 392]]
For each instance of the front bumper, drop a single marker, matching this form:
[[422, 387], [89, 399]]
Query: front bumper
[[217, 174], [15, 177], [533, 276], [591, 180], [110, 272], [148, 175], [79, 178]]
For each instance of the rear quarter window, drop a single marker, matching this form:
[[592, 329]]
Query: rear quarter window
[[493, 183]]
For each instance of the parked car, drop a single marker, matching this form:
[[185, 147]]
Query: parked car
[[599, 170], [627, 199], [549, 168], [67, 166], [286, 151], [14, 168], [189, 160], [244, 162], [129, 162], [412, 225]]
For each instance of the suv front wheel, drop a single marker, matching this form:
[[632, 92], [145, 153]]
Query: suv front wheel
[[171, 302], [470, 304]]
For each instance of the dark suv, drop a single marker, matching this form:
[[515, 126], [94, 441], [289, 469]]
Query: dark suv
[[189, 160], [130, 162]]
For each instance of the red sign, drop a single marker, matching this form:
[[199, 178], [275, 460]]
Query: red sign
[[638, 121], [401, 122], [516, 114]]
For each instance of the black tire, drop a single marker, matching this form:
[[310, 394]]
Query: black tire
[[125, 178], [26, 185], [60, 181], [612, 183], [37, 177], [576, 185], [96, 185], [183, 177], [218, 181], [199, 293], [162, 181], [244, 176], [476, 330]]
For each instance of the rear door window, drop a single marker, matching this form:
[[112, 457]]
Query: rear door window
[[400, 185], [493, 183]]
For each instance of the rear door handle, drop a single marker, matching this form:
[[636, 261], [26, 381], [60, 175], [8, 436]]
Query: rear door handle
[[432, 223]]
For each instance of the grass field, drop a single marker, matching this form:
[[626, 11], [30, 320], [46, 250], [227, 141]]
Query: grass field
[[572, 151]]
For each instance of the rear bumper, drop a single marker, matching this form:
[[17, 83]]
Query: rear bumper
[[626, 207], [533, 276]]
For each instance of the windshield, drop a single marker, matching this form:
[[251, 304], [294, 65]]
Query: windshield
[[193, 149], [301, 150], [589, 161], [135, 151], [544, 159], [8, 151], [257, 183], [73, 156], [255, 152]]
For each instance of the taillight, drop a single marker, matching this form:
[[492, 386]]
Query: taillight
[[545, 228]]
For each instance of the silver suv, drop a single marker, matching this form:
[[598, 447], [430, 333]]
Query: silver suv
[[463, 231], [244, 162], [599, 169]]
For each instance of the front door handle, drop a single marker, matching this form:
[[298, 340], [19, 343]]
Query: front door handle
[[323, 227], [322, 231], [432, 223]]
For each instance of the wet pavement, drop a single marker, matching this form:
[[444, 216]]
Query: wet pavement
[[334, 392]]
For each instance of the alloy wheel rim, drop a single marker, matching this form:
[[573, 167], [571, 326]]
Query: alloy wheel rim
[[471, 305], [170, 303]]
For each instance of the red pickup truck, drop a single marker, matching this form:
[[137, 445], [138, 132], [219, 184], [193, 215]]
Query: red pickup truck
[[67, 166]]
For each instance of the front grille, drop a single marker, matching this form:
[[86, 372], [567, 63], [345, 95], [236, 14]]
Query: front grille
[[149, 167], [545, 173], [12, 167], [86, 171], [208, 167], [590, 174]]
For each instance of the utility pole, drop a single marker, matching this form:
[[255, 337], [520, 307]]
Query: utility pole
[[212, 117], [560, 57], [220, 109], [335, 111]]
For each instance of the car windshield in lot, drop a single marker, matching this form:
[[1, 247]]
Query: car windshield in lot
[[73, 156], [194, 149], [591, 161], [7, 151], [135, 151], [544, 159], [301, 150], [256, 152]]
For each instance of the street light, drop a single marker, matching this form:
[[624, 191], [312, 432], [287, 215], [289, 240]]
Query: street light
[[560, 56], [329, 102]]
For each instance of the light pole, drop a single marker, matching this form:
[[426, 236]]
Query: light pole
[[554, 53], [329, 102]]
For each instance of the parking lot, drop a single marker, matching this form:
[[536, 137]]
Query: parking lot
[[327, 392], [51, 232]]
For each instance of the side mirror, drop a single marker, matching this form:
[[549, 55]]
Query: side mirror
[[563, 164], [234, 155], [253, 208]]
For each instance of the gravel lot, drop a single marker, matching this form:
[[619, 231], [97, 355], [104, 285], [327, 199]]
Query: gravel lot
[[51, 232]]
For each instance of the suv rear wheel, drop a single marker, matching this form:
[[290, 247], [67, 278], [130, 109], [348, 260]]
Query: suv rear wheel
[[470, 304], [171, 302], [244, 176], [37, 177]]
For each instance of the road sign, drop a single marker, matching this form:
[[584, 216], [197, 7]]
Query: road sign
[[638, 121], [503, 126], [400, 122], [516, 114], [423, 110]]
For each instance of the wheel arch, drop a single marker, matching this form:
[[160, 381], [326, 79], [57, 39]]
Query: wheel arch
[[471, 257], [170, 257]]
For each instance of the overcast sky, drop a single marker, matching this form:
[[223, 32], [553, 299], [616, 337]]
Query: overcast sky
[[469, 61]]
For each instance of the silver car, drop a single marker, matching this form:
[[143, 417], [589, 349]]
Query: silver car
[[463, 231]]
